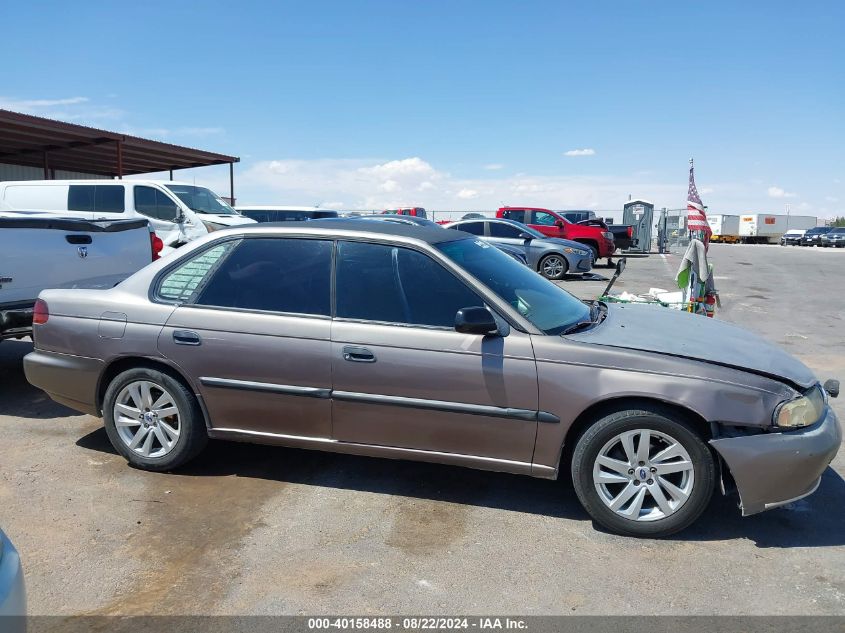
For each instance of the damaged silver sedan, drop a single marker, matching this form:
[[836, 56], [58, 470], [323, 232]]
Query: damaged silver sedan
[[416, 343]]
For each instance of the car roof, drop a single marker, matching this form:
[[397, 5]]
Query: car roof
[[430, 234]]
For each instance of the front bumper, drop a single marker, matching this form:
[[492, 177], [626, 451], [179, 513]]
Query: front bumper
[[69, 380], [12, 591], [773, 469], [584, 264]]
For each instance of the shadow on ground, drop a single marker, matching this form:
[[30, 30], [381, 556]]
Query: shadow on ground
[[17, 397], [818, 521]]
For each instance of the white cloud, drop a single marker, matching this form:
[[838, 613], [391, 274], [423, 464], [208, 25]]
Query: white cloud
[[587, 151], [777, 192], [24, 105], [831, 199], [494, 166], [467, 194]]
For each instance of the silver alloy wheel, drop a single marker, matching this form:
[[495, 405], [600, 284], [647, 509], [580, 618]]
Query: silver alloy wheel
[[643, 475], [553, 266], [147, 418]]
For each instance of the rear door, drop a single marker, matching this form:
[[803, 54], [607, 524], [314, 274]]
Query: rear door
[[403, 377], [253, 333]]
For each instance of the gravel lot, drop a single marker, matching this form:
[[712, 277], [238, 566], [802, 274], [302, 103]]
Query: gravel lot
[[252, 529]]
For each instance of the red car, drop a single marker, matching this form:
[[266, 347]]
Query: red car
[[417, 212], [553, 224]]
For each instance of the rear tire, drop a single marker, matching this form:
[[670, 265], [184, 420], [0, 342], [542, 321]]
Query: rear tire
[[650, 491], [153, 420]]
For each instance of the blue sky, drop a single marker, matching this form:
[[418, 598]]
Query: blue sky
[[459, 104]]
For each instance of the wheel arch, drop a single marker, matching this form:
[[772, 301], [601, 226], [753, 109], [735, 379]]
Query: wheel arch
[[598, 410], [124, 363]]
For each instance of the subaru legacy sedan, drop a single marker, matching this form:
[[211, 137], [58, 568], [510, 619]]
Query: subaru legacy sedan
[[411, 342]]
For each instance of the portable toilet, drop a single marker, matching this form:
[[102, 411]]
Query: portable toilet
[[639, 214]]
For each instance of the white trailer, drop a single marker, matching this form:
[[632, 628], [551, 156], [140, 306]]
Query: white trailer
[[725, 228], [767, 228]]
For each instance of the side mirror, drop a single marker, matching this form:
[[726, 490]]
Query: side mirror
[[560, 223], [526, 236], [620, 265], [475, 320]]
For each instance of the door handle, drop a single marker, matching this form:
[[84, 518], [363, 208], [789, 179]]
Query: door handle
[[358, 354], [186, 337]]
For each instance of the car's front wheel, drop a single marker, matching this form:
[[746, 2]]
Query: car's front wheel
[[643, 472], [553, 266], [153, 420]]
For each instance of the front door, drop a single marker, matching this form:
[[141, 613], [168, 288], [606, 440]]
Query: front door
[[403, 377], [254, 333]]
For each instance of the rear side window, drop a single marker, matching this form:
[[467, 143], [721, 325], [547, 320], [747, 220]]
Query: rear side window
[[476, 228], [376, 282], [183, 283], [154, 203], [511, 214], [258, 216], [275, 275], [501, 229], [101, 198]]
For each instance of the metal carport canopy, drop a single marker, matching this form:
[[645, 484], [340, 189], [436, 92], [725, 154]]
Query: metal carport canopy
[[38, 142]]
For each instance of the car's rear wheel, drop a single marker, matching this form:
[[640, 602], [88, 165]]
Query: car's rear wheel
[[643, 472], [153, 420], [553, 266]]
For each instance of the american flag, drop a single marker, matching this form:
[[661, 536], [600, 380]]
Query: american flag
[[696, 218]]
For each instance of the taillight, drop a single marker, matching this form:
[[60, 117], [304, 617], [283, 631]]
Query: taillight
[[630, 231], [40, 312], [156, 245]]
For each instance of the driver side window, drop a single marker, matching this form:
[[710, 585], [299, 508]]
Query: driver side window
[[155, 204], [544, 219]]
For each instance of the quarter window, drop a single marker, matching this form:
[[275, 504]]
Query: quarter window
[[376, 282], [183, 283], [275, 275]]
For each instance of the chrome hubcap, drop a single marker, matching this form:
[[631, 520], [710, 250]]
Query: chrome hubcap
[[147, 419], [643, 475], [552, 266]]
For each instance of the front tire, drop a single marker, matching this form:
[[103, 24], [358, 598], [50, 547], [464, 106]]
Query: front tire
[[554, 266], [643, 473], [153, 420]]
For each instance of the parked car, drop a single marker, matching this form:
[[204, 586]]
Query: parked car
[[792, 237], [623, 234], [401, 219], [417, 212], [473, 216], [41, 252], [314, 336], [515, 252], [285, 214], [812, 237], [552, 224], [178, 212], [834, 237], [12, 589], [551, 257]]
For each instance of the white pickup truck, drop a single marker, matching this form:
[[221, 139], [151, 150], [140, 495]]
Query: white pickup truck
[[40, 252]]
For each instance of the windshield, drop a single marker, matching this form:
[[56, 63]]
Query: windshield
[[201, 200], [547, 306]]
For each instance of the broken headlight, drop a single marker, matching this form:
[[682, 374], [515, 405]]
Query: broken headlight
[[802, 411]]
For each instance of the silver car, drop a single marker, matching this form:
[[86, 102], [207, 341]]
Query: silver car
[[408, 342], [12, 592], [550, 256]]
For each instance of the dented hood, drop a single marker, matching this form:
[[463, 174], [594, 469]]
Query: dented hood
[[666, 331]]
